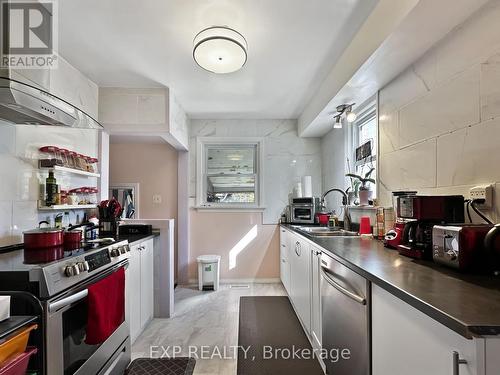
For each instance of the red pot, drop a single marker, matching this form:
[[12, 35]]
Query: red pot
[[72, 237], [42, 238]]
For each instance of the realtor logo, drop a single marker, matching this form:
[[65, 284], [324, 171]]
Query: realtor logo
[[28, 34]]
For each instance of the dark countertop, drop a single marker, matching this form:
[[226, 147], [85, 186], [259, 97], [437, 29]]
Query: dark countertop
[[133, 238], [466, 303]]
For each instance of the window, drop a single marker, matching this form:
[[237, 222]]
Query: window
[[229, 173], [364, 146]]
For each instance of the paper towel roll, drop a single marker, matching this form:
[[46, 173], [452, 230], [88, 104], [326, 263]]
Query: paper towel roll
[[298, 190], [307, 186]]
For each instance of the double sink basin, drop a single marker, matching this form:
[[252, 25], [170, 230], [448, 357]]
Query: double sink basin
[[325, 231]]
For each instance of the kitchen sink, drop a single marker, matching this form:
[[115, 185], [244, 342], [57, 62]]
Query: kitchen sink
[[326, 232]]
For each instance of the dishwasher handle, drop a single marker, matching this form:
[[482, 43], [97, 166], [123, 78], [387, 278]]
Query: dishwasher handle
[[341, 289]]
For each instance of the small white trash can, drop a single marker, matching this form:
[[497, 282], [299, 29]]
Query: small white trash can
[[208, 271]]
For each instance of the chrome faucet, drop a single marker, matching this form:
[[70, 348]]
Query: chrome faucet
[[345, 201]]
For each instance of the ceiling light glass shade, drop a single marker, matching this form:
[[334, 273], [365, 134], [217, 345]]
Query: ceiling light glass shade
[[220, 50], [351, 116], [338, 123]]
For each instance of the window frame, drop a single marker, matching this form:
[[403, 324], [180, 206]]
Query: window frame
[[366, 112], [203, 143]]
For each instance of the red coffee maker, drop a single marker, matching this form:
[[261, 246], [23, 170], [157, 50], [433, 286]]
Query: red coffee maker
[[394, 237]]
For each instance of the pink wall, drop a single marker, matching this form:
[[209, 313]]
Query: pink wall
[[249, 249], [154, 167]]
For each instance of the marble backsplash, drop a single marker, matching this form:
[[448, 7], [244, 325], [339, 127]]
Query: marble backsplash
[[286, 157], [20, 178], [439, 121]]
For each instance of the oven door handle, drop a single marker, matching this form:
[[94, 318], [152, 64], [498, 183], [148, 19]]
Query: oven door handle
[[68, 300]]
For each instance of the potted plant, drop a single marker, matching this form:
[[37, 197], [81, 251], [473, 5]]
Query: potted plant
[[364, 190]]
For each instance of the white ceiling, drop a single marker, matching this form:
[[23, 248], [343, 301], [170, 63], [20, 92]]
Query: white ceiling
[[293, 44]]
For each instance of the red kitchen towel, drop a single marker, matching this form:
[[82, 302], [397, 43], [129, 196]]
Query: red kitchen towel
[[106, 307]]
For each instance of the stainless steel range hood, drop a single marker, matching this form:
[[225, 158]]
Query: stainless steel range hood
[[24, 104]]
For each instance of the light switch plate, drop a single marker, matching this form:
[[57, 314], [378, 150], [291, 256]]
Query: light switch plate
[[156, 198]]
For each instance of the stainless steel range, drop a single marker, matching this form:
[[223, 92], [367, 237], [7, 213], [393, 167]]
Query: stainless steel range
[[58, 279]]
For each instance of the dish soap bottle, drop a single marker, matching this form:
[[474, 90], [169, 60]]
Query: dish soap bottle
[[50, 189], [333, 221]]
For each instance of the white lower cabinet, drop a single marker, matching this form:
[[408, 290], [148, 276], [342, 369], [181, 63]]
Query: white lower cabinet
[[285, 259], [140, 287], [316, 298], [147, 286], [406, 341], [300, 280]]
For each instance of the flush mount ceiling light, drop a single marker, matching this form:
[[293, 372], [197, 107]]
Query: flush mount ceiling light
[[220, 50], [349, 115]]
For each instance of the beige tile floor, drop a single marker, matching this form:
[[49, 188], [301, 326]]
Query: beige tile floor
[[201, 320]]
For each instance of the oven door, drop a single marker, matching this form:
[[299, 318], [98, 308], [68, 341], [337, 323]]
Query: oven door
[[302, 214], [66, 325]]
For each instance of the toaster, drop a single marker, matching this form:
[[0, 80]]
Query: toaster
[[461, 246]]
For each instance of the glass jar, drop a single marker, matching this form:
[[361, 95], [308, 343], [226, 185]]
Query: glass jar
[[72, 199], [93, 195], [64, 197], [91, 164], [51, 156], [80, 162], [85, 195], [66, 158]]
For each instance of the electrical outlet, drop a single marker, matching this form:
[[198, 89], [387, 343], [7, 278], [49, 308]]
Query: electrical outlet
[[482, 192], [157, 199]]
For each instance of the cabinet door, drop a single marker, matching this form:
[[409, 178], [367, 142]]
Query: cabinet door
[[147, 287], [406, 341], [284, 259], [301, 281], [315, 298], [134, 292]]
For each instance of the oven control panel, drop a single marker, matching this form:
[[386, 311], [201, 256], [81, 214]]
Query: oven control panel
[[61, 275], [98, 259]]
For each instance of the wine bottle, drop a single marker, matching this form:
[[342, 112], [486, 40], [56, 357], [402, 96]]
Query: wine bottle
[[50, 189]]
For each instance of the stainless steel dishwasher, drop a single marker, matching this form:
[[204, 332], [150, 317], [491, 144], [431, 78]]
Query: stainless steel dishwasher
[[345, 300]]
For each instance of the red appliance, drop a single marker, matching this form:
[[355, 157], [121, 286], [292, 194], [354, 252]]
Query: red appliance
[[417, 239], [422, 212], [467, 247], [442, 208], [394, 237]]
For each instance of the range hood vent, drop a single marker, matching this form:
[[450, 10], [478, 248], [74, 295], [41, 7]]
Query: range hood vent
[[28, 105]]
